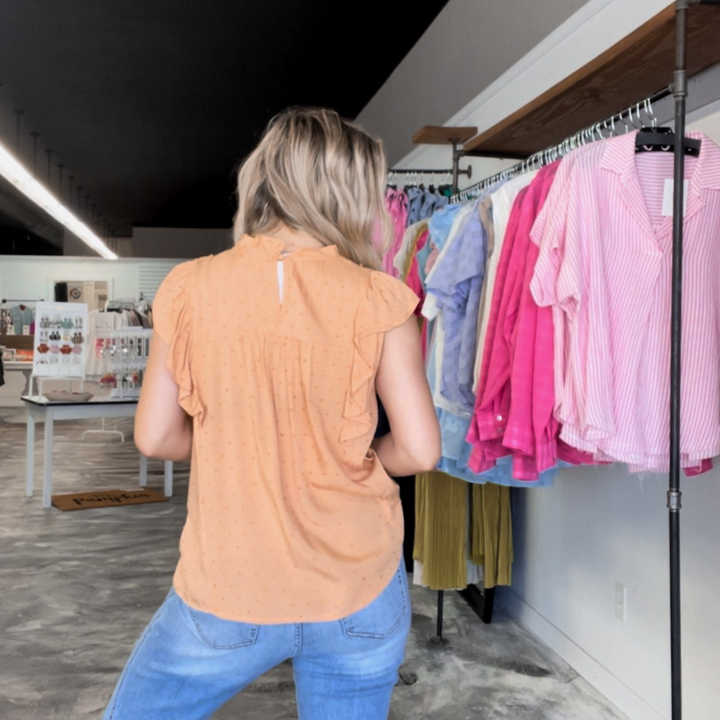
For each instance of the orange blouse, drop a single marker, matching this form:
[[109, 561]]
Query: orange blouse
[[291, 517]]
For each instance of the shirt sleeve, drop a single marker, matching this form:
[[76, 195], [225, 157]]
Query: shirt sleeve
[[387, 305], [172, 321], [549, 234]]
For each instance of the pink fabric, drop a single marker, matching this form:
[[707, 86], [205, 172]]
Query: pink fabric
[[414, 282], [604, 267], [484, 429], [396, 203], [531, 427]]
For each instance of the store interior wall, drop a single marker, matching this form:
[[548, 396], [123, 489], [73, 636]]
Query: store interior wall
[[33, 278], [464, 71], [152, 242], [597, 526], [460, 54]]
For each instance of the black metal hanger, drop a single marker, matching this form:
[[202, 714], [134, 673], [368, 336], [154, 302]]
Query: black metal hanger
[[661, 139]]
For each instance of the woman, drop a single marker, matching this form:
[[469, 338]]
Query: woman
[[264, 369]]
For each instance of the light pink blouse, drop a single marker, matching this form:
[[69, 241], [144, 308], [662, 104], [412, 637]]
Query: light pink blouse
[[605, 268]]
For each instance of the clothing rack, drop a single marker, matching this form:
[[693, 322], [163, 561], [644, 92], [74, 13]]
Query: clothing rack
[[597, 131], [420, 171], [120, 305], [482, 603], [674, 504], [24, 300], [679, 91]]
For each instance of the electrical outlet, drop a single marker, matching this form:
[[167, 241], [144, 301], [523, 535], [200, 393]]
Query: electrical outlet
[[621, 597]]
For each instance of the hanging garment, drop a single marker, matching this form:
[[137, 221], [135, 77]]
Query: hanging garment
[[605, 267], [455, 285], [396, 202], [486, 218], [485, 454], [502, 201], [491, 539], [404, 255], [454, 533], [441, 531], [21, 317], [456, 451], [439, 225], [414, 204], [509, 352]]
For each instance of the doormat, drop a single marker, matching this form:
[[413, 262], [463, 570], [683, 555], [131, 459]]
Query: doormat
[[106, 498]]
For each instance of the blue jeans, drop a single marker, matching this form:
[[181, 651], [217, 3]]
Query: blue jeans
[[188, 663]]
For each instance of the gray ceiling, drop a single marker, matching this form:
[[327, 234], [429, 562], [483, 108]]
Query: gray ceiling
[[151, 104]]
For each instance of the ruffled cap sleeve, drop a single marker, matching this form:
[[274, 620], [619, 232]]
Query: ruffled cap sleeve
[[172, 321], [387, 305]]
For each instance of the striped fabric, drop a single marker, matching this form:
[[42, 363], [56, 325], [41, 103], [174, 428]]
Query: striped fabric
[[605, 267]]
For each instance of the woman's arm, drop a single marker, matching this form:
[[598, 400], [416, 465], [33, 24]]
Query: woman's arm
[[162, 428], [413, 444]]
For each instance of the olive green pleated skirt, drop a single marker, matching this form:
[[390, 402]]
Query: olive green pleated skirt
[[456, 521]]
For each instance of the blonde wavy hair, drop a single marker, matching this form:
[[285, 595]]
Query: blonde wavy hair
[[319, 173]]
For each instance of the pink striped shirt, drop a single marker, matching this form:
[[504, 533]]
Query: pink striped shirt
[[605, 268]]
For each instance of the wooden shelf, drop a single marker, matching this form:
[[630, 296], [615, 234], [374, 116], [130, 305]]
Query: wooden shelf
[[441, 135], [637, 66]]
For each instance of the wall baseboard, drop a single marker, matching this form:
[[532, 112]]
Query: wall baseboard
[[590, 669]]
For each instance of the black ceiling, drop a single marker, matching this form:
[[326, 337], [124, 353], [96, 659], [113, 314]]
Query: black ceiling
[[151, 104]]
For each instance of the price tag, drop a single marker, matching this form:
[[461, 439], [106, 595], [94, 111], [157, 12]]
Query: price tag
[[668, 194]]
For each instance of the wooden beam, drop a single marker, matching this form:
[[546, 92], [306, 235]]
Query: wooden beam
[[632, 69], [441, 135]]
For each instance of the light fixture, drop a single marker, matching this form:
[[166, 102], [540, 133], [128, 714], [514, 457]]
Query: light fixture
[[16, 174]]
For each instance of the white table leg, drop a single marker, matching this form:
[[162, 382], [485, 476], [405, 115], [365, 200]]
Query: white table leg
[[27, 374], [168, 478], [30, 455], [143, 470], [47, 479]]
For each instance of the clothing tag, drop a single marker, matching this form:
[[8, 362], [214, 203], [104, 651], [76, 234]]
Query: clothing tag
[[667, 206], [26, 330], [10, 330]]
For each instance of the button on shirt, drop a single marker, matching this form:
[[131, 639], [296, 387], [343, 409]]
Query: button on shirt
[[605, 267]]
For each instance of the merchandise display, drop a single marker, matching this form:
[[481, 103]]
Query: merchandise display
[[126, 353], [521, 352], [17, 319], [60, 340]]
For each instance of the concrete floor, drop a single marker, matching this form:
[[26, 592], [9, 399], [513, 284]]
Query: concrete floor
[[77, 588]]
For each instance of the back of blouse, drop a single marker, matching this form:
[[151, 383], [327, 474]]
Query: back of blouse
[[275, 357]]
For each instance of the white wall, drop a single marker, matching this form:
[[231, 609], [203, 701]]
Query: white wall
[[467, 47], [32, 278], [408, 100], [596, 526]]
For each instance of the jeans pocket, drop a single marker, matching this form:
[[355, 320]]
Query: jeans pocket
[[383, 616], [222, 634]]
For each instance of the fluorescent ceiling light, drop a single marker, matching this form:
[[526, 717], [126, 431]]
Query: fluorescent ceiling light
[[15, 173]]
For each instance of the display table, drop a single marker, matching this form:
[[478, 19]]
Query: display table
[[24, 367], [41, 409]]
